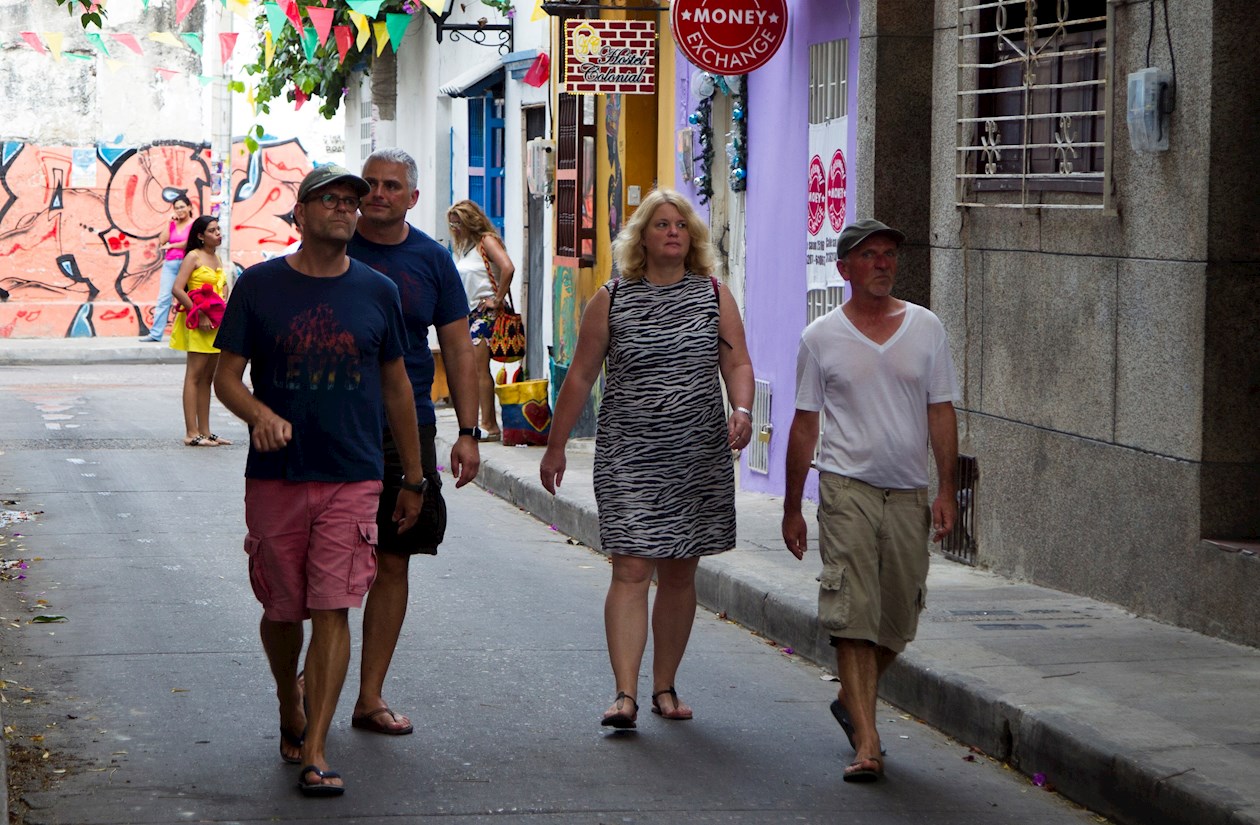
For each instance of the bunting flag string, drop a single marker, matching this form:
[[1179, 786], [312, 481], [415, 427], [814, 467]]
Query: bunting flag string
[[193, 40], [53, 41], [381, 30], [35, 43], [367, 8], [322, 18], [94, 39], [227, 44]]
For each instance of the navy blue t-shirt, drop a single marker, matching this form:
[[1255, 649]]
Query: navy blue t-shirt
[[315, 346], [432, 295]]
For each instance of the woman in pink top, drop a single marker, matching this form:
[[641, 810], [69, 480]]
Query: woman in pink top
[[171, 244]]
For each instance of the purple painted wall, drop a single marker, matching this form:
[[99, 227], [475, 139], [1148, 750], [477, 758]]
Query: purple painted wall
[[775, 205], [778, 143]]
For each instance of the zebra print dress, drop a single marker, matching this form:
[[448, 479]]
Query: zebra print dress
[[664, 478]]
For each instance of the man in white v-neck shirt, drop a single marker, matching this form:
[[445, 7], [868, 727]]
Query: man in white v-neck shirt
[[879, 371]]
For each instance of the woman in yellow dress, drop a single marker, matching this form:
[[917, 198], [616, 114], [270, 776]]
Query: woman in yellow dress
[[201, 291]]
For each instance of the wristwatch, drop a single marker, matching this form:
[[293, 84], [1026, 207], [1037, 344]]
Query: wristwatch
[[475, 432], [414, 488]]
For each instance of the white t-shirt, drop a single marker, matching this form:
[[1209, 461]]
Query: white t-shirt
[[472, 271], [874, 397]]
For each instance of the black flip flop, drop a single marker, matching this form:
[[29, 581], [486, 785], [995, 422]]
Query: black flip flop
[[319, 788], [292, 741], [621, 720], [839, 711]]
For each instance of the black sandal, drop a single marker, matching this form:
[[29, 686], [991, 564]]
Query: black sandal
[[656, 706], [622, 720]]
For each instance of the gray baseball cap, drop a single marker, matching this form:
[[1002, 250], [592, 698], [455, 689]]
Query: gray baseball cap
[[856, 232], [330, 173]]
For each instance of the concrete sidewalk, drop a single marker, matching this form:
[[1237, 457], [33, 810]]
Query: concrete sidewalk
[[1139, 721], [32, 352]]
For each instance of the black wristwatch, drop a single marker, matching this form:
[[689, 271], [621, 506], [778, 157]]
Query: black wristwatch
[[475, 432], [414, 488]]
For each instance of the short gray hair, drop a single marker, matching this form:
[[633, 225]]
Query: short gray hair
[[396, 155]]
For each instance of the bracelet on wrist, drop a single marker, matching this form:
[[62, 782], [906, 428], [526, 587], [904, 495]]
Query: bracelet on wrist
[[745, 411]]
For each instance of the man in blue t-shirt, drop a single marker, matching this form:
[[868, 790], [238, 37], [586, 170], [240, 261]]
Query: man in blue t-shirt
[[324, 338], [432, 296]]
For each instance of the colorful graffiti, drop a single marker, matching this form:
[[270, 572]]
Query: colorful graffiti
[[79, 227]]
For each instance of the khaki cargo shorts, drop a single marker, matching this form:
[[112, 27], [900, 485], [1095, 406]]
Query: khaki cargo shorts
[[874, 548]]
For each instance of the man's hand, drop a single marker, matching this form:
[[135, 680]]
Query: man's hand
[[465, 461], [944, 514], [795, 534], [407, 510], [270, 432]]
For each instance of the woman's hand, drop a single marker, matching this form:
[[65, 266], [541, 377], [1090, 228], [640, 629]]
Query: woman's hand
[[204, 323], [551, 470], [738, 430]]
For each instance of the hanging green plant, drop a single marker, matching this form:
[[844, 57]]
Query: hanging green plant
[[704, 86], [319, 71]]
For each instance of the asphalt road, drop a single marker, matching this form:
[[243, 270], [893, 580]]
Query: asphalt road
[[154, 703]]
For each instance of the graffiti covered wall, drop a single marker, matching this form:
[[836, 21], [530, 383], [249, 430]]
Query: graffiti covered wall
[[79, 227]]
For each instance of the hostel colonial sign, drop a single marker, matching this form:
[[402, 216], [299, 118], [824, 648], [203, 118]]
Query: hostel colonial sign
[[729, 36], [610, 56]]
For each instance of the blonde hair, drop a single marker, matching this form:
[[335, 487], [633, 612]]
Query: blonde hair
[[628, 247], [473, 224]]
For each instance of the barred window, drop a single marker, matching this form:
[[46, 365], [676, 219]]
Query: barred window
[[1033, 102]]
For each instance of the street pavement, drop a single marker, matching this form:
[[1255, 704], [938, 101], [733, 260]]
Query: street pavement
[[1139, 721]]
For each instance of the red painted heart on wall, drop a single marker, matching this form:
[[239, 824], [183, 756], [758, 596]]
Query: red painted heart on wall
[[537, 413]]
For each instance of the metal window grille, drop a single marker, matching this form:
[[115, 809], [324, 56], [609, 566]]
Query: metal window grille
[[818, 302], [960, 544], [828, 80], [367, 125], [1034, 103], [759, 447]]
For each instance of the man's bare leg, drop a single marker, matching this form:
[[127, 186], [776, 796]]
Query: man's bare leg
[[327, 660], [383, 616], [859, 665], [282, 642]]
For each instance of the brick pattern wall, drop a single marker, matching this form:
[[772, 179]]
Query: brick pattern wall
[[619, 57]]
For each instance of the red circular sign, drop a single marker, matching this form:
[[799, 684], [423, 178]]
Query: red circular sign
[[817, 201], [729, 36], [836, 197]]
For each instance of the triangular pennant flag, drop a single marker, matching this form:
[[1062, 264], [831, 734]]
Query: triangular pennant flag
[[193, 40], [290, 8], [227, 44], [539, 71], [310, 42], [76, 56], [34, 42], [182, 8], [53, 39], [275, 18], [269, 50], [322, 18], [205, 79], [250, 99], [438, 6], [97, 43], [381, 31], [164, 37], [538, 13], [167, 74], [113, 65], [240, 8], [343, 37], [130, 41], [396, 25], [367, 8], [300, 97], [365, 32]]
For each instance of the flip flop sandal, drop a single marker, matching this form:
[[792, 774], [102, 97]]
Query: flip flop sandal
[[372, 721], [195, 441], [857, 772], [622, 720], [841, 713], [292, 741], [223, 442], [319, 788]]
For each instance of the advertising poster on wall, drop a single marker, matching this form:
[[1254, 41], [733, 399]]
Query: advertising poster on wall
[[827, 201]]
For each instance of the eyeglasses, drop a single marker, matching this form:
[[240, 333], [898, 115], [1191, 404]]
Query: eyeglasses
[[333, 201]]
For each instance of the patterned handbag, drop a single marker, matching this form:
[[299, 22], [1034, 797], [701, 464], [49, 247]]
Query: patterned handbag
[[507, 336]]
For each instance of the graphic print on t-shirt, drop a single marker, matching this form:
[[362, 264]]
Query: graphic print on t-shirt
[[320, 354]]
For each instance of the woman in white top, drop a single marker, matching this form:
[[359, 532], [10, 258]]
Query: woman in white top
[[486, 270]]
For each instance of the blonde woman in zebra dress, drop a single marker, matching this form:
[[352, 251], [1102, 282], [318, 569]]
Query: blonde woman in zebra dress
[[664, 475]]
